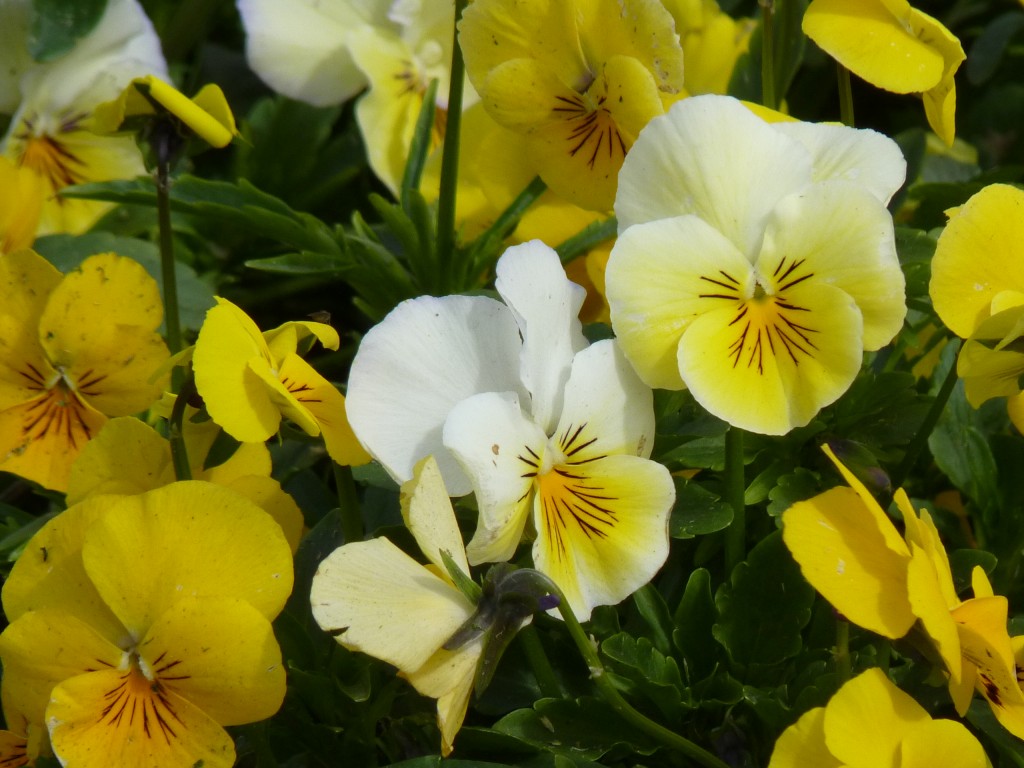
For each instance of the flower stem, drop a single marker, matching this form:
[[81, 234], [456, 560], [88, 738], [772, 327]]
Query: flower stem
[[607, 688], [348, 504], [921, 438], [450, 159], [845, 95], [175, 429], [542, 669], [768, 54], [167, 264], [736, 533]]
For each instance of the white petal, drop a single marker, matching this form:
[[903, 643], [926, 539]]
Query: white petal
[[710, 156], [430, 518], [606, 400], [376, 599], [14, 56], [859, 155], [299, 48], [546, 305], [500, 449], [413, 367]]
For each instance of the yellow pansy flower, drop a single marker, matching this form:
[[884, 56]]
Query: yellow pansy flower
[[850, 551], [895, 47], [712, 42], [129, 457], [869, 723], [21, 203], [250, 380], [977, 289], [140, 626], [754, 258], [52, 104], [374, 598], [76, 350], [579, 78]]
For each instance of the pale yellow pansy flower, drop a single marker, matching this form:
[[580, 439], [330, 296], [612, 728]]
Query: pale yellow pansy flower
[[579, 78], [895, 47], [374, 598], [850, 551], [76, 349], [754, 259], [140, 626], [52, 104], [869, 723], [250, 380], [207, 114], [549, 432]]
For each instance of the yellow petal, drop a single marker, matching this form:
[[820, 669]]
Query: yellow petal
[[845, 556], [428, 514], [803, 744], [448, 677], [187, 539], [216, 128], [21, 202], [212, 102], [929, 605], [267, 493], [940, 100], [976, 257], [922, 532], [220, 655], [941, 742], [143, 727]]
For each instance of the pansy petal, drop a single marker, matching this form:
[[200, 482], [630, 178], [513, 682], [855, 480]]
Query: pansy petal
[[127, 456], [607, 408], [922, 532], [220, 655], [286, 337], [267, 494], [602, 528], [448, 677], [848, 561], [803, 744], [546, 306], [429, 516], [987, 372], [167, 730], [837, 232], [929, 605], [798, 351], [940, 100], [882, 524], [190, 538], [712, 157], [660, 276], [941, 742], [977, 257], [26, 281], [870, 704], [500, 450], [884, 51], [427, 355], [861, 156], [372, 597]]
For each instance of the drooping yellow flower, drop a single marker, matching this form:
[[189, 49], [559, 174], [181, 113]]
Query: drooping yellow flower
[[75, 350], [140, 626], [376, 599], [895, 47], [250, 380], [754, 259], [977, 289], [207, 114], [712, 42], [580, 78], [53, 102], [850, 551], [129, 457], [869, 723]]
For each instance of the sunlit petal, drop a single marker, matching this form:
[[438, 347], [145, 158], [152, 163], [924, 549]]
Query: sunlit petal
[[941, 742], [803, 744], [448, 677], [428, 514]]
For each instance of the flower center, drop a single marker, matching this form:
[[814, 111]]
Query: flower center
[[140, 700]]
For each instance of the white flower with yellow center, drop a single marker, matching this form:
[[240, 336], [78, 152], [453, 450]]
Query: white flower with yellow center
[[553, 435], [755, 263]]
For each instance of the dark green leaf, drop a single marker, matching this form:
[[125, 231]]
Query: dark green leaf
[[915, 248], [653, 674], [962, 451], [963, 561], [653, 610], [697, 511], [305, 263], [764, 606], [694, 618], [990, 46], [798, 485], [58, 24]]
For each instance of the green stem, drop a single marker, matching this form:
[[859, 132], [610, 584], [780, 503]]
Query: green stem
[[768, 97], [842, 654], [542, 669], [917, 445], [176, 431], [348, 504], [167, 264], [607, 688], [450, 159], [845, 95], [487, 245], [736, 533]]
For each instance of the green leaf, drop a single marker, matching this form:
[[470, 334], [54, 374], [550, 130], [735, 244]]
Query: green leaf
[[652, 673], [798, 485], [962, 563], [697, 511], [990, 46], [764, 606], [304, 263], [694, 618], [58, 24], [66, 252], [654, 611], [961, 449], [915, 248]]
